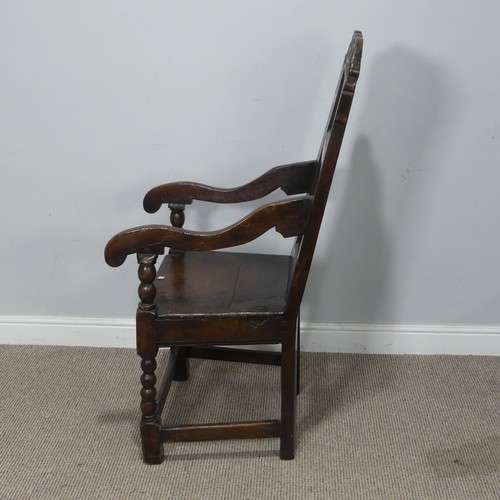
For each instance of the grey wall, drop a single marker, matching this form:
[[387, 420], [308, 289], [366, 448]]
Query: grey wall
[[102, 100]]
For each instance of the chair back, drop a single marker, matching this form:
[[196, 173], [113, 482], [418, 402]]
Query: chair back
[[329, 150]]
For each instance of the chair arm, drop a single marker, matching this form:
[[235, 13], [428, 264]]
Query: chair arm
[[294, 178], [288, 217]]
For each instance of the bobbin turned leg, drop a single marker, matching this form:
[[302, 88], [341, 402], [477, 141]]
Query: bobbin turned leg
[[152, 446]]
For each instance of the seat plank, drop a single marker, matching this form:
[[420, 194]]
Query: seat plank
[[221, 283]]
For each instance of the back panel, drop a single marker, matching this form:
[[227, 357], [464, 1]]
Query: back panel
[[326, 163]]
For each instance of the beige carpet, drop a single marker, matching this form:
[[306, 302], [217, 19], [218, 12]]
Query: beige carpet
[[369, 427]]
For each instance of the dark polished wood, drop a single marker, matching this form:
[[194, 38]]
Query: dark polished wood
[[287, 217], [221, 283], [237, 355], [295, 178], [213, 432], [201, 303], [168, 376]]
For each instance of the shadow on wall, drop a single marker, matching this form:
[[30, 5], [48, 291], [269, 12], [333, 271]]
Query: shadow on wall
[[355, 280]]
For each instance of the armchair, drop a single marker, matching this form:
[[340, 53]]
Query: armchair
[[200, 301]]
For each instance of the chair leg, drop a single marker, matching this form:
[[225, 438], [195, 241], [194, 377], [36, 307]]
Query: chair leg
[[152, 446], [298, 355], [181, 370], [288, 394]]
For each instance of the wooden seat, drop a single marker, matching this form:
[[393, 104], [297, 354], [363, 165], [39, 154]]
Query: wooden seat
[[201, 301], [222, 283]]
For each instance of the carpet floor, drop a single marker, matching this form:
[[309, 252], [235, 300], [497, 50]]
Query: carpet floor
[[369, 427]]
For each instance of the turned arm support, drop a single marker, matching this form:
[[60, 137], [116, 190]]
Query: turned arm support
[[292, 179], [288, 217]]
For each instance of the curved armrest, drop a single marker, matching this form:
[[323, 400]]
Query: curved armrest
[[292, 179], [288, 217]]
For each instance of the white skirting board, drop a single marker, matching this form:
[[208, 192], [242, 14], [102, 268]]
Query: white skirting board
[[315, 337]]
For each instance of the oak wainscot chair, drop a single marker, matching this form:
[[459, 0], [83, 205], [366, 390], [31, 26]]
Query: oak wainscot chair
[[207, 300]]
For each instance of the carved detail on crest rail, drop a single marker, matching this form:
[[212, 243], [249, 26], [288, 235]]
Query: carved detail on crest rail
[[352, 62]]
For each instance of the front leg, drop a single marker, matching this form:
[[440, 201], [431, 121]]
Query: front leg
[[152, 446]]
